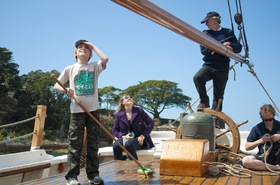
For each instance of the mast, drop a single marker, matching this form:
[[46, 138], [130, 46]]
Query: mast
[[149, 10]]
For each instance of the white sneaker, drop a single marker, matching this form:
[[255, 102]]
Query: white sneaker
[[73, 181], [96, 180]]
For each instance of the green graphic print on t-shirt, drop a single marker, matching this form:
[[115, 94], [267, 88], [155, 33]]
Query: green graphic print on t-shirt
[[84, 83]]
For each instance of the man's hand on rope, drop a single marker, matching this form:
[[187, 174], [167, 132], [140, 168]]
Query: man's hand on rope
[[266, 138], [275, 137]]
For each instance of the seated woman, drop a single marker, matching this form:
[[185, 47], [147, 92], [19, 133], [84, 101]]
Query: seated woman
[[264, 135], [132, 127]]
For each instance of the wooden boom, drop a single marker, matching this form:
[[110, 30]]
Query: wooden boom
[[162, 17]]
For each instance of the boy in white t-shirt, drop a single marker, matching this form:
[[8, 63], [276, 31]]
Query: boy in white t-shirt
[[83, 85]]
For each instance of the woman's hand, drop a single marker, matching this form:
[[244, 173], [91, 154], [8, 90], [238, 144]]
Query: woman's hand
[[141, 139], [127, 136]]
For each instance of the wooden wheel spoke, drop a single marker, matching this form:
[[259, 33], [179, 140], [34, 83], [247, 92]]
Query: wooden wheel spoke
[[232, 128], [219, 145]]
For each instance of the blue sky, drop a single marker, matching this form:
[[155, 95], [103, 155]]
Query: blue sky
[[41, 35]]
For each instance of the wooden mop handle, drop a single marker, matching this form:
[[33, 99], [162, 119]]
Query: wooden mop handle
[[101, 126]]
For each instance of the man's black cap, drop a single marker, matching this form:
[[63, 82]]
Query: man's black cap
[[209, 15]]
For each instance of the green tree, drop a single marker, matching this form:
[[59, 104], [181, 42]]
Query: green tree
[[38, 90], [61, 111], [109, 96], [155, 96], [9, 84]]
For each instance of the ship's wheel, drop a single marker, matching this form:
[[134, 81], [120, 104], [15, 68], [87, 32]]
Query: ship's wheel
[[233, 128]]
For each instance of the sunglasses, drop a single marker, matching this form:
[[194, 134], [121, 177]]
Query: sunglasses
[[126, 97], [270, 119]]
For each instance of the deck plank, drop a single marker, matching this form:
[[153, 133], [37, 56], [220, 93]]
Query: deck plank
[[210, 180], [246, 181], [275, 179], [233, 180], [256, 178], [175, 180], [186, 180], [171, 180], [125, 173], [267, 179], [222, 180], [197, 181]]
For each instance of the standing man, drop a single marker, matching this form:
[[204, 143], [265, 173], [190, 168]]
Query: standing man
[[216, 66], [83, 85]]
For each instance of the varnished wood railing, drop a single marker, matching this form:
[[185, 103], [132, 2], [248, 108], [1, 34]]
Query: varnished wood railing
[[39, 125]]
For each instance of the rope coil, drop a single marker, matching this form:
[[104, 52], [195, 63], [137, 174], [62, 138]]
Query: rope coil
[[266, 154], [229, 164], [215, 168]]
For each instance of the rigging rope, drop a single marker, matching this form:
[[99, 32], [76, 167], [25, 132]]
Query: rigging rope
[[246, 47], [251, 70], [243, 38], [239, 20], [20, 137], [16, 123], [229, 9]]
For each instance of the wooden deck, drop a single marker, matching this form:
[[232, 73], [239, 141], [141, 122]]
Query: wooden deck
[[125, 173]]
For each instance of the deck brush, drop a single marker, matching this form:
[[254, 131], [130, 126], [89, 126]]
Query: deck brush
[[144, 171]]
